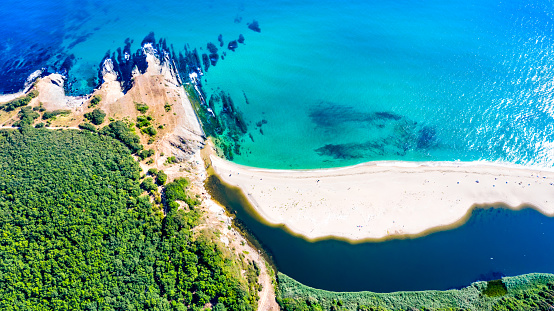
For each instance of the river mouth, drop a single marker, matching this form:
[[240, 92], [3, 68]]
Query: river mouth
[[494, 242]]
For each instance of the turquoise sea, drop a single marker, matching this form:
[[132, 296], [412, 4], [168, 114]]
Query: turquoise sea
[[337, 83], [334, 83]]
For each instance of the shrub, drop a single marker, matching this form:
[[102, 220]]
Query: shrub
[[143, 121], [176, 191], [26, 117], [145, 154], [96, 116], [167, 107], [142, 107], [20, 102], [87, 126], [95, 101], [51, 114], [151, 131], [171, 160], [39, 125]]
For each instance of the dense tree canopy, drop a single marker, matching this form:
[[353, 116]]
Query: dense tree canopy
[[76, 234]]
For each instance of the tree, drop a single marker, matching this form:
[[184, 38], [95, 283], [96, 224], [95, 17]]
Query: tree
[[78, 235], [161, 177], [96, 117], [120, 131], [148, 184]]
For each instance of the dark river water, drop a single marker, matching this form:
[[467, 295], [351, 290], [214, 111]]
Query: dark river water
[[494, 242]]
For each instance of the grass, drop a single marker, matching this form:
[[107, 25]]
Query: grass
[[52, 114], [527, 292], [495, 288]]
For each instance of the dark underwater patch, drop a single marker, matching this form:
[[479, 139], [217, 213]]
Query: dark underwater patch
[[350, 151], [206, 62], [426, 138], [214, 58], [390, 134], [212, 48], [79, 40], [255, 26], [233, 45], [331, 115]]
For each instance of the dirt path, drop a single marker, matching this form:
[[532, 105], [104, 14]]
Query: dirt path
[[48, 128], [267, 295]]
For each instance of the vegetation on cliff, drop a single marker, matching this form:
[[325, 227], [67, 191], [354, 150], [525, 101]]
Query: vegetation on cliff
[[19, 102], [77, 233]]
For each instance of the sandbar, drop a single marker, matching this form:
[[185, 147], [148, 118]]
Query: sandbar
[[380, 200]]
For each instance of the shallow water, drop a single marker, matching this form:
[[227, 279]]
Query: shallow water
[[337, 82]]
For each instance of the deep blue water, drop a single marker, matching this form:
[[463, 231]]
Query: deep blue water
[[338, 83]]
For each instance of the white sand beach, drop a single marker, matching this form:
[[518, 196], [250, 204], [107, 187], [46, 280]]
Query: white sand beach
[[377, 200]]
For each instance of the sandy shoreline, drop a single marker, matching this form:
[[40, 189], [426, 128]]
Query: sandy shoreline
[[379, 199]]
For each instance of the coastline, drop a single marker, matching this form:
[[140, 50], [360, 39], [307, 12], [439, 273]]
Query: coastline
[[386, 199]]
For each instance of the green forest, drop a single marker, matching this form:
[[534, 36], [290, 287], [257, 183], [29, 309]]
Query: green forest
[[77, 233]]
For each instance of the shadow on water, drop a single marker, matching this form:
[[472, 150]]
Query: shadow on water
[[493, 242]]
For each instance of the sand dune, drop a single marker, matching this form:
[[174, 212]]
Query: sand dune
[[380, 199]]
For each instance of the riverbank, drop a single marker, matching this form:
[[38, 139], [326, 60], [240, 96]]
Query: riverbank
[[533, 291], [380, 200]]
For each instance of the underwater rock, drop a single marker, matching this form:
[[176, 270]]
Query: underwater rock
[[80, 39], [126, 65], [388, 115], [189, 63], [241, 39], [232, 113], [213, 59], [332, 115], [260, 123], [339, 151], [206, 62], [67, 64], [150, 38], [212, 48], [254, 26], [220, 39], [245, 98], [233, 45], [351, 151], [427, 137]]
